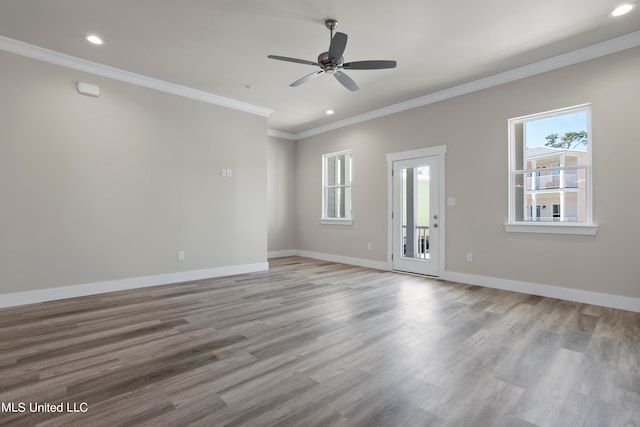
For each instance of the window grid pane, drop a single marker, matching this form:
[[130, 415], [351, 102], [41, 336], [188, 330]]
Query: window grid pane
[[550, 162], [552, 197], [337, 186]]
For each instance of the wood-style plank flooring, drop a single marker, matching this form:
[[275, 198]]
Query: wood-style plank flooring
[[313, 343]]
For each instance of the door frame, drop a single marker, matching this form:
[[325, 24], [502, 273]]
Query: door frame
[[439, 151]]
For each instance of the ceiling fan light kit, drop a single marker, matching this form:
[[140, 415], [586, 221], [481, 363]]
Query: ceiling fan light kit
[[332, 62]]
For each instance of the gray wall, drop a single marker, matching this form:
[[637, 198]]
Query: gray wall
[[281, 205], [99, 189], [474, 129]]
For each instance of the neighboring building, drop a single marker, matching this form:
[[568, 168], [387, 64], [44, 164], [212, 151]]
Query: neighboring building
[[556, 192]]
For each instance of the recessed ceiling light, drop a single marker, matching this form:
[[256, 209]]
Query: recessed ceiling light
[[92, 38], [623, 9], [329, 112]]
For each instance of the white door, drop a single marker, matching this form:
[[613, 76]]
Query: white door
[[416, 216]]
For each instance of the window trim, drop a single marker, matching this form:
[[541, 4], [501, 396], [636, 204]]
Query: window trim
[[336, 221], [553, 228], [323, 218], [587, 227]]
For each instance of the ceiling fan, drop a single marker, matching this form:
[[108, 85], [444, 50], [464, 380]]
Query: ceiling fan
[[332, 62]]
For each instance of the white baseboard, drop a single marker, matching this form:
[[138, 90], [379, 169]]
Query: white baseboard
[[575, 295], [378, 265], [31, 297], [282, 254]]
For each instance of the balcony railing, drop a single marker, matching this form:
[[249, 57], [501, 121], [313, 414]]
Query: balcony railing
[[547, 182], [549, 219], [421, 242]]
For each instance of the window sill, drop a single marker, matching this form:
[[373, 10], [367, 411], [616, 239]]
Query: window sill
[[336, 221], [553, 228]]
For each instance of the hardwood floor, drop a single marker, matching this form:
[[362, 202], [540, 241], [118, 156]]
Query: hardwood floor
[[314, 343]]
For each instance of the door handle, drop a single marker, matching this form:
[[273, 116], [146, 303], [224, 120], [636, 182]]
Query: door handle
[[435, 225]]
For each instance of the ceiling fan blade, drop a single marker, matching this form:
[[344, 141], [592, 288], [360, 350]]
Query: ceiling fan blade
[[296, 60], [306, 78], [369, 65], [338, 44], [346, 81]]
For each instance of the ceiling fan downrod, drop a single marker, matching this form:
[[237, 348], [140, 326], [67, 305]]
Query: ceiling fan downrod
[[331, 24]]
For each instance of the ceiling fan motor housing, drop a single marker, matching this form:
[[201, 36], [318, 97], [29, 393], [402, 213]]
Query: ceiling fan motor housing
[[327, 65]]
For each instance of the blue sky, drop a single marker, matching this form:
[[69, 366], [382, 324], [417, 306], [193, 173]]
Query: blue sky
[[536, 131]]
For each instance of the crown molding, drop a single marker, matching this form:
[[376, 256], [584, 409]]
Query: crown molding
[[283, 135], [591, 52], [52, 57]]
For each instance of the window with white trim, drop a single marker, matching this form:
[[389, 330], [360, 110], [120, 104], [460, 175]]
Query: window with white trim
[[336, 187], [550, 172]]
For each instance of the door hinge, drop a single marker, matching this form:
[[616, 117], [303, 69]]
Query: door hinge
[[391, 257]]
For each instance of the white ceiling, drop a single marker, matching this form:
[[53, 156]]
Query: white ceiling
[[221, 46]]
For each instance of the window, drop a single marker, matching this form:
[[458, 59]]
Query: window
[[336, 188], [550, 172]]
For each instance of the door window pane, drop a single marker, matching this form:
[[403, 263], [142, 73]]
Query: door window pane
[[415, 212]]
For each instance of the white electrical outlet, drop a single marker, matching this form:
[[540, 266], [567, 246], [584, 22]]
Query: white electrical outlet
[[369, 246], [224, 172], [469, 257], [229, 173], [180, 255]]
